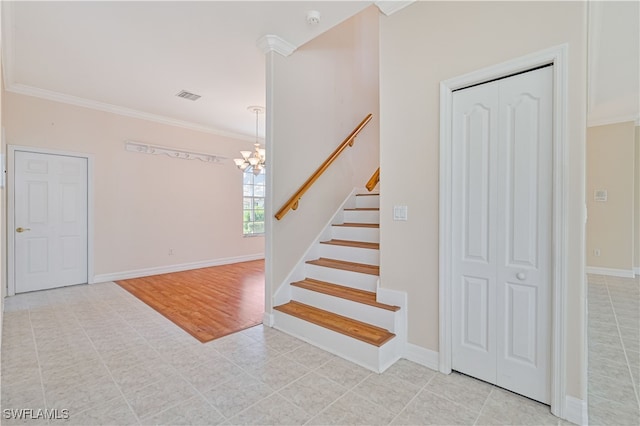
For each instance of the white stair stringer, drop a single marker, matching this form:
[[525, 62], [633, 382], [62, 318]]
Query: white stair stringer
[[361, 211], [374, 358]]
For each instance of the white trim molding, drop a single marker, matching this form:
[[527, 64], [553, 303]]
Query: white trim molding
[[389, 7], [422, 356], [401, 319], [636, 270], [273, 43], [145, 272], [268, 319], [145, 148], [558, 56], [576, 410], [11, 150], [624, 273], [594, 122]]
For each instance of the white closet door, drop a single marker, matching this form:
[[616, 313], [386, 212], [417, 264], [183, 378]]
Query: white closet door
[[524, 254], [502, 140], [51, 221], [475, 127]]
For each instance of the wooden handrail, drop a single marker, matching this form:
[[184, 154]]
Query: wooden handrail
[[373, 180], [292, 204]]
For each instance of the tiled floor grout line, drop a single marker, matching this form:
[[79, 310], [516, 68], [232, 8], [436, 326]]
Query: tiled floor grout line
[[624, 351], [313, 371], [254, 350], [341, 396], [275, 391], [423, 387], [108, 372], [475, 422], [450, 400], [167, 408], [35, 347]]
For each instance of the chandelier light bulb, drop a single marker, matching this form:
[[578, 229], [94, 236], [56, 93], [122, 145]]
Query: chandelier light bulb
[[255, 158]]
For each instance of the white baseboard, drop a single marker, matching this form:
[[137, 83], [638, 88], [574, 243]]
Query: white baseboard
[[605, 121], [125, 275], [576, 410], [267, 319], [636, 270], [422, 356], [624, 273]]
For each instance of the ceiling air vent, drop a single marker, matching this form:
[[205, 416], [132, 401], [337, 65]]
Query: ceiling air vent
[[188, 95]]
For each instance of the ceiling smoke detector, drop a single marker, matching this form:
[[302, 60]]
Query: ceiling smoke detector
[[313, 17], [188, 95]]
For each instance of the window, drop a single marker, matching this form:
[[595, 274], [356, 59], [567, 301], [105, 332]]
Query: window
[[253, 199]]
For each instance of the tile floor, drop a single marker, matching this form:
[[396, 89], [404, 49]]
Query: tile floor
[[614, 350], [107, 358]]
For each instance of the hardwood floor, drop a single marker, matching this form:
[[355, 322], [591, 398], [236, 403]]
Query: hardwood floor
[[358, 330], [207, 303]]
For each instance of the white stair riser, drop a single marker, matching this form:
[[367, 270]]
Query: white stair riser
[[362, 216], [371, 357], [350, 254], [351, 233], [338, 276], [368, 201], [347, 308]]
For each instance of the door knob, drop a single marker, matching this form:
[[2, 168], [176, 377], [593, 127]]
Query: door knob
[[21, 229], [521, 276]]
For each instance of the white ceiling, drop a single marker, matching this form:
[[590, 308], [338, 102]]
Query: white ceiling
[[133, 57]]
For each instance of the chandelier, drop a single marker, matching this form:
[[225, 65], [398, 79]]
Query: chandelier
[[255, 158]]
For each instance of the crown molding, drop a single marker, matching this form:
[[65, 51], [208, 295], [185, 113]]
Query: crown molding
[[389, 7], [273, 43], [115, 109]]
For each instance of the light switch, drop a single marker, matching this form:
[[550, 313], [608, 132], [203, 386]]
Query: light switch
[[399, 212], [600, 195]]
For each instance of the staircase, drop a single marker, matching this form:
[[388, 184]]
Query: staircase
[[336, 305]]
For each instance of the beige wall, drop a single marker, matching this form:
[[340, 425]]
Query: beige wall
[[610, 224], [144, 205], [420, 46], [318, 95], [636, 214]]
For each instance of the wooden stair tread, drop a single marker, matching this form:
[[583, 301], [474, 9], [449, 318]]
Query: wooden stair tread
[[364, 332], [349, 243], [346, 266], [359, 225], [348, 293]]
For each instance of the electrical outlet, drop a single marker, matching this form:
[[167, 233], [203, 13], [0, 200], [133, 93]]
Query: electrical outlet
[[596, 252], [170, 252]]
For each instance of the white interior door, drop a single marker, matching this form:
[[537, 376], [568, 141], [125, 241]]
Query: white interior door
[[501, 215], [50, 221]]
